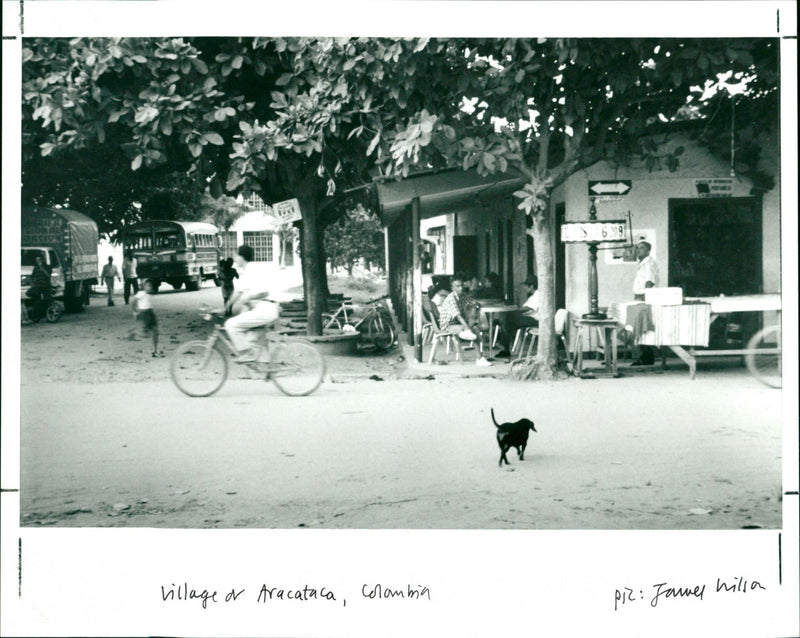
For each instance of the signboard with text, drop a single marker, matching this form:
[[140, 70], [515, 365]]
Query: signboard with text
[[594, 231], [714, 187], [288, 211]]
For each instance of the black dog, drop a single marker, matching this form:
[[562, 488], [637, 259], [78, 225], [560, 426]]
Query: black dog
[[512, 435]]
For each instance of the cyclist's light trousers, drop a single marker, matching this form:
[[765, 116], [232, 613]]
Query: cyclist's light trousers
[[239, 327]]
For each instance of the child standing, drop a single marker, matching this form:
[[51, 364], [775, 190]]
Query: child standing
[[227, 274], [143, 311]]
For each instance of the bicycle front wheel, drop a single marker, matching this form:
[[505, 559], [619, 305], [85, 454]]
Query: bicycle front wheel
[[380, 333], [763, 356], [296, 368], [198, 369]]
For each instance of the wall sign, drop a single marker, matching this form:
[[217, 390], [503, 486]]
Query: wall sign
[[288, 211], [714, 187], [616, 187], [594, 231]]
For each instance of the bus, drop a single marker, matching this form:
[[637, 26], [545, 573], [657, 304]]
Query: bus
[[175, 252]]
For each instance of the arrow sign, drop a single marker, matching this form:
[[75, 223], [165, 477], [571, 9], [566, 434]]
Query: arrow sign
[[617, 187]]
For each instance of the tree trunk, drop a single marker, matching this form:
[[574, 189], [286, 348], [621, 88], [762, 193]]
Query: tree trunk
[[314, 294], [546, 361], [322, 260]]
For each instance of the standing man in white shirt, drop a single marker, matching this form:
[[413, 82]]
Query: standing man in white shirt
[[646, 277], [646, 272], [256, 310], [130, 267]]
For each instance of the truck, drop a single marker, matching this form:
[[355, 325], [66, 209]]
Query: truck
[[67, 241]]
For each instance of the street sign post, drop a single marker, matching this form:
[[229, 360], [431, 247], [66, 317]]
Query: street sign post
[[593, 232]]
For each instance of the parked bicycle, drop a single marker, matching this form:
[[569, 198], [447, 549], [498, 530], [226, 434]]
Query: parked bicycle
[[376, 327], [200, 367], [763, 356]]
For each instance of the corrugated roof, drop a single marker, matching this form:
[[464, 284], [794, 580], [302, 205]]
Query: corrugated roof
[[443, 192]]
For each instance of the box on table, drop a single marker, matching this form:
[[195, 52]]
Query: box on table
[[664, 296]]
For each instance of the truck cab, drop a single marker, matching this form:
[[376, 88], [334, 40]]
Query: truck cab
[[29, 254]]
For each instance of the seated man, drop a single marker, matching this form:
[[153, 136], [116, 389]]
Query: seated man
[[450, 313], [252, 294], [529, 313]]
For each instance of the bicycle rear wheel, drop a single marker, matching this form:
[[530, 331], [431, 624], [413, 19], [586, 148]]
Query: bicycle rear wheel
[[764, 356], [380, 333], [198, 369], [296, 368]]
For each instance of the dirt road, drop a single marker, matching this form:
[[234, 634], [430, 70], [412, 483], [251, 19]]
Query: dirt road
[[106, 440]]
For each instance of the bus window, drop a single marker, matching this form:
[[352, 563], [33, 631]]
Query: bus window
[[138, 240], [170, 239]]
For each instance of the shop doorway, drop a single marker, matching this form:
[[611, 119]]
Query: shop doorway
[[715, 246], [465, 254]]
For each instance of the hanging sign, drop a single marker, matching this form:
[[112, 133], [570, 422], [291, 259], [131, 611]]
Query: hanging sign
[[614, 188], [288, 211], [714, 187], [594, 231]]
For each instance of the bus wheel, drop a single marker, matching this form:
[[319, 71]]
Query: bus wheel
[[155, 283], [194, 284]]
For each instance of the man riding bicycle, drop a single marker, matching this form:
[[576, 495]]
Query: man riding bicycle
[[252, 295]]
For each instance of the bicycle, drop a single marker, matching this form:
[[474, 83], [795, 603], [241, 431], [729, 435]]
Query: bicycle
[[763, 356], [200, 367], [376, 326]]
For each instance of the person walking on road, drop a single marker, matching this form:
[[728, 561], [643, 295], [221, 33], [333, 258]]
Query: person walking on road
[[110, 272], [129, 276], [143, 312]]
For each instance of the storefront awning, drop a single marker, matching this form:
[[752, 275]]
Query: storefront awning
[[443, 192]]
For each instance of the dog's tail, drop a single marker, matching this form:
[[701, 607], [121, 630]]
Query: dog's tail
[[493, 419]]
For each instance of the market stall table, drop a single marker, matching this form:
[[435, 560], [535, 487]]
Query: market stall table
[[687, 325]]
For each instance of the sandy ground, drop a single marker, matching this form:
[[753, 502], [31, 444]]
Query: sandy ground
[[116, 444]]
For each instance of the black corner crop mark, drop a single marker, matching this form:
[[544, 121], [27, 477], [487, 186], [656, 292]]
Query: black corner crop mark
[[19, 569]]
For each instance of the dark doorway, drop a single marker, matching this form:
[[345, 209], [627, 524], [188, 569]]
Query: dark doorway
[[715, 246], [465, 254]]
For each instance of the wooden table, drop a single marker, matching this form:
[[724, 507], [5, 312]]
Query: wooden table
[[607, 329], [490, 310]]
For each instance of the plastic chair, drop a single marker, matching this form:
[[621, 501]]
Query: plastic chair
[[520, 338], [448, 338]]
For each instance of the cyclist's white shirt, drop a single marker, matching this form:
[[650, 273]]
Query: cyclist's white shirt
[[251, 282]]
